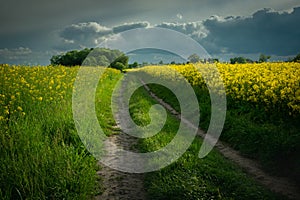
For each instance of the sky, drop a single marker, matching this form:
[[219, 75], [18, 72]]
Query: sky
[[34, 30]]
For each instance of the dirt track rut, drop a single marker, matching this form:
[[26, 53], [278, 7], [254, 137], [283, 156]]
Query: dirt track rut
[[280, 185], [121, 185]]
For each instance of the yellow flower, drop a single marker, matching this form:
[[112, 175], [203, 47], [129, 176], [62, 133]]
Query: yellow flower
[[269, 84]]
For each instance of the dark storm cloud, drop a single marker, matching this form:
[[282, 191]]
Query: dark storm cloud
[[36, 15], [22, 16], [56, 26], [265, 31], [86, 34], [129, 26], [196, 30], [90, 34]]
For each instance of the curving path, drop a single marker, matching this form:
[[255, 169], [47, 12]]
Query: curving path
[[117, 184], [121, 185], [280, 185]]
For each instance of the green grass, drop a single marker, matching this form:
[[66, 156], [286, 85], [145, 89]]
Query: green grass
[[103, 103], [271, 137], [42, 156], [189, 177]]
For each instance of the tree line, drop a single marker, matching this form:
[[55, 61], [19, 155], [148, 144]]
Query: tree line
[[92, 57], [194, 58], [118, 60]]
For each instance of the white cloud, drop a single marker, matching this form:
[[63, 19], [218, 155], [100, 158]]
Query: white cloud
[[91, 34], [179, 16], [266, 31], [129, 26], [194, 29], [90, 27], [84, 34]]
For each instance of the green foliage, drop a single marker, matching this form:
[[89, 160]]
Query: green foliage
[[240, 60], [297, 58], [103, 107], [215, 60], [42, 156], [133, 65], [272, 137], [71, 58], [190, 177], [91, 57], [194, 58], [263, 58], [120, 63]]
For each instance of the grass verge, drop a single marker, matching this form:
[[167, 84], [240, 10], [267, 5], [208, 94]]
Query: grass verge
[[42, 156], [189, 177], [270, 136]]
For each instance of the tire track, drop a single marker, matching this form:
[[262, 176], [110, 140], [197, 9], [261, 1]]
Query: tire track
[[116, 184], [280, 185]]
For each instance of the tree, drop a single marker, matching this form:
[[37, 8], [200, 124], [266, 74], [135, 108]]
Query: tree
[[215, 60], [55, 60], [248, 60], [263, 58], [238, 60], [194, 58], [70, 58], [120, 63], [91, 57], [211, 60], [297, 58], [145, 63], [133, 65], [90, 61], [118, 66]]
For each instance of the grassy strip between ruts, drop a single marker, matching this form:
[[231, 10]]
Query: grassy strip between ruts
[[268, 137], [42, 156], [189, 177]]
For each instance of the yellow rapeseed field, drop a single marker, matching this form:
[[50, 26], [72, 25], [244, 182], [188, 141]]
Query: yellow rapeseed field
[[272, 85], [25, 87]]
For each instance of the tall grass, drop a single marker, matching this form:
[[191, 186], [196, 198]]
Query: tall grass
[[42, 156]]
